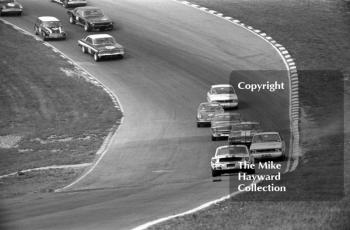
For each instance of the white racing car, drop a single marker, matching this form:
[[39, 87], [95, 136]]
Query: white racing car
[[267, 145], [228, 158], [223, 94]]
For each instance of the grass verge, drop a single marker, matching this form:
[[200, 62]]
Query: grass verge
[[49, 113], [316, 34]]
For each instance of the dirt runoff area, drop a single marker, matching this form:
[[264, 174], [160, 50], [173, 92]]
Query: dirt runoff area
[[49, 115], [316, 33]]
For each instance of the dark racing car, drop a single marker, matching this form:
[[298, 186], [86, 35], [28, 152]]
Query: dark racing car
[[221, 124], [206, 112], [91, 18], [49, 28], [101, 45], [10, 7], [243, 132]]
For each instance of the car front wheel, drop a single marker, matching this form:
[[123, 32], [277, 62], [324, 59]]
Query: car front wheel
[[96, 58], [83, 49], [44, 37], [87, 27], [71, 19]]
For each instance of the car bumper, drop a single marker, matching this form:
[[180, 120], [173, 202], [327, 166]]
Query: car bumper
[[204, 121], [102, 27], [267, 155], [220, 134], [110, 54], [229, 105], [12, 10], [240, 141], [56, 36], [227, 167]]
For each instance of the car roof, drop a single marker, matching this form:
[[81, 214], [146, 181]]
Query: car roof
[[48, 19], [264, 133], [87, 8], [221, 85], [227, 146], [247, 123], [210, 103], [94, 36]]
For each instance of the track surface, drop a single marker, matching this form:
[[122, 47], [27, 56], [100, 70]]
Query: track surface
[[158, 163]]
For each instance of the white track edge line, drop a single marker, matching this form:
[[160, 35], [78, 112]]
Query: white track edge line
[[203, 206]]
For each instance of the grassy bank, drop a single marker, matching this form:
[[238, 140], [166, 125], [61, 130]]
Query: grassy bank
[[316, 33], [49, 114]]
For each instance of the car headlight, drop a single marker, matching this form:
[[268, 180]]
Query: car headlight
[[213, 161], [21, 7]]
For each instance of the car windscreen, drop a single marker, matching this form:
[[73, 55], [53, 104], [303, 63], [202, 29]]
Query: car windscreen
[[232, 150], [209, 108], [104, 41], [52, 24], [93, 13], [266, 138], [252, 126], [223, 90]]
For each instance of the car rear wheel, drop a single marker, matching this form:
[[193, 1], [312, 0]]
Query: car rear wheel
[[215, 173], [96, 58], [71, 19]]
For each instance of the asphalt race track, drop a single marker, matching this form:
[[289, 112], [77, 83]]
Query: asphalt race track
[[158, 162]]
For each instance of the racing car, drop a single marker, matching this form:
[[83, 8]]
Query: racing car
[[223, 94], [71, 3], [206, 112], [91, 18], [49, 28], [227, 159], [221, 124], [10, 7], [267, 145], [242, 133], [101, 45]]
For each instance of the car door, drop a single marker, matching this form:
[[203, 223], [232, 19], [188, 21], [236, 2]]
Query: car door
[[89, 44]]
